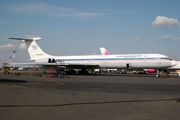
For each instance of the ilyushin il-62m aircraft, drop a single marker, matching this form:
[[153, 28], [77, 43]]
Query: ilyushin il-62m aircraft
[[83, 62]]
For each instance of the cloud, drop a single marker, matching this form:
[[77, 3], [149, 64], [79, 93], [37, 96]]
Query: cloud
[[25, 32], [136, 39], [177, 38], [75, 34], [165, 22], [36, 32], [171, 37], [168, 36], [7, 47], [43, 8], [32, 34], [22, 46], [2, 21]]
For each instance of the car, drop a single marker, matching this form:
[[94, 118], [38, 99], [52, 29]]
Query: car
[[20, 69]]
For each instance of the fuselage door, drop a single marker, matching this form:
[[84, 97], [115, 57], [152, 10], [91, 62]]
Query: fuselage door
[[128, 66], [145, 59]]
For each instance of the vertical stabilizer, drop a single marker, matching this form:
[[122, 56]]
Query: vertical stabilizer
[[34, 50], [104, 51]]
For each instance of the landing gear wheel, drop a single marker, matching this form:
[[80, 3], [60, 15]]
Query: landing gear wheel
[[157, 75]]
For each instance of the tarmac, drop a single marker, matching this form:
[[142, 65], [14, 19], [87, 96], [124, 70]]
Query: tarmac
[[89, 97]]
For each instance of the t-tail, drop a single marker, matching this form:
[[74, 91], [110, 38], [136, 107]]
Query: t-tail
[[34, 50]]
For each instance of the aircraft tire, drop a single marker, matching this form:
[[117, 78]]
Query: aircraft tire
[[157, 75]]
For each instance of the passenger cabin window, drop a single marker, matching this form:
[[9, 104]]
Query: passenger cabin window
[[167, 58]]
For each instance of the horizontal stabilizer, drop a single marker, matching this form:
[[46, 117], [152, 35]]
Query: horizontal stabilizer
[[30, 39], [34, 50]]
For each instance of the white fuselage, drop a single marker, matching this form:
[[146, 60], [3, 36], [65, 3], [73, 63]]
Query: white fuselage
[[115, 61]]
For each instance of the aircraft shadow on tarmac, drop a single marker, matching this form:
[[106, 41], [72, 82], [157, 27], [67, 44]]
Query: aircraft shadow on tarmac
[[12, 80]]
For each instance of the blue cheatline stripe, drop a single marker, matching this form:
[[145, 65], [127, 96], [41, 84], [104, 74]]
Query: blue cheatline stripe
[[101, 59]]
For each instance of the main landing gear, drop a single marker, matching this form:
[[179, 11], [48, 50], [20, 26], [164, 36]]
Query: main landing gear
[[157, 75], [164, 72]]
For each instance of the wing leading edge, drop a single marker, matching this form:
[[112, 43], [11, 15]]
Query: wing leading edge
[[66, 65]]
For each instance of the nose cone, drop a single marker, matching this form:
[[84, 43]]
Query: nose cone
[[173, 63]]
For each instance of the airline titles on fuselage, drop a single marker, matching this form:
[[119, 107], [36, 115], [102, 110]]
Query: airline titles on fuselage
[[130, 56]]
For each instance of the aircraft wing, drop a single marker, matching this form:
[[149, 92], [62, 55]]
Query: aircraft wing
[[66, 65], [82, 66], [69, 65]]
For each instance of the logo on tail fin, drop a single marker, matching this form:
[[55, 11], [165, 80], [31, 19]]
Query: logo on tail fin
[[106, 53], [34, 47]]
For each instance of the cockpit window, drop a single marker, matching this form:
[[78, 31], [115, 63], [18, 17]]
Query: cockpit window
[[167, 58]]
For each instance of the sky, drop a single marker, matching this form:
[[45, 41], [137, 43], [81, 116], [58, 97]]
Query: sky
[[81, 27]]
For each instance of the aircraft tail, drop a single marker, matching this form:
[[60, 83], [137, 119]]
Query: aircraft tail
[[34, 50], [104, 51]]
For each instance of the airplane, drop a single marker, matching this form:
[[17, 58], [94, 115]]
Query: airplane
[[176, 67], [83, 62]]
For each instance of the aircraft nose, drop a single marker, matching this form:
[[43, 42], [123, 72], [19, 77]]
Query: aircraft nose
[[173, 63]]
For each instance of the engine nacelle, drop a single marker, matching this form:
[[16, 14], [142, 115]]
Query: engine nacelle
[[149, 70], [51, 60], [44, 60]]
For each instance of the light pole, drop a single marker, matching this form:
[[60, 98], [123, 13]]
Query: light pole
[[10, 62], [14, 59]]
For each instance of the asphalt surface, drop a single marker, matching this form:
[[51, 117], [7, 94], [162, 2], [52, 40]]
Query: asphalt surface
[[89, 97]]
